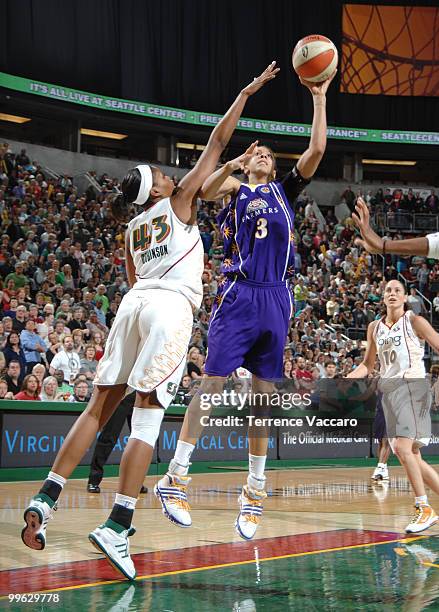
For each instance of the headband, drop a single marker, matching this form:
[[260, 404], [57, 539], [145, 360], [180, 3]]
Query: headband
[[145, 184]]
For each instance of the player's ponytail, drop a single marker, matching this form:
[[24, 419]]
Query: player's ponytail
[[120, 208], [132, 188]]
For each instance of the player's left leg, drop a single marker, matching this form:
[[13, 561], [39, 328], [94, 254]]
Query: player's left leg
[[265, 361], [253, 492], [111, 537], [408, 454], [103, 403]]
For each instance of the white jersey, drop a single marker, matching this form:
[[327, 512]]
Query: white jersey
[[167, 253], [400, 350]]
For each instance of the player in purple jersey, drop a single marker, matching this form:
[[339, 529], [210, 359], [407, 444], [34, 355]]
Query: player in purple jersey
[[249, 324]]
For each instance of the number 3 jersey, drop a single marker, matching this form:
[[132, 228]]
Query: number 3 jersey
[[258, 230], [167, 253], [400, 350]]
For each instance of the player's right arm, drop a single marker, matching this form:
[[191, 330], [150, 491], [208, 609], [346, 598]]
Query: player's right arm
[[426, 332], [182, 201], [368, 363], [129, 263], [221, 184], [426, 246]]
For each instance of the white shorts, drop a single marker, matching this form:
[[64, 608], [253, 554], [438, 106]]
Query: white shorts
[[148, 343], [406, 406]]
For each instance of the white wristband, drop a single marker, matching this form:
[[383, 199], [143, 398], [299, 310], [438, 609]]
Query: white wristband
[[433, 245]]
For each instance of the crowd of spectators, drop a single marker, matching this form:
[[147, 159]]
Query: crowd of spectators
[[389, 200], [63, 277]]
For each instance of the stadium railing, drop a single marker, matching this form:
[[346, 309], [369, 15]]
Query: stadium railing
[[406, 222]]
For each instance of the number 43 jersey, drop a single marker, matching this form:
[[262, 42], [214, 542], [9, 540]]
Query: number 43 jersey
[[167, 253], [400, 350], [258, 230]]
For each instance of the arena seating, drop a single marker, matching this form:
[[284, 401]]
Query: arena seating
[[62, 266]]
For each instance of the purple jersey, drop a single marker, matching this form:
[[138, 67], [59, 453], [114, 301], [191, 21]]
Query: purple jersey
[[258, 230]]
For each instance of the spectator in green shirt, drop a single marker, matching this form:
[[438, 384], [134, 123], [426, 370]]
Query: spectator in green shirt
[[102, 298], [300, 295], [18, 277]]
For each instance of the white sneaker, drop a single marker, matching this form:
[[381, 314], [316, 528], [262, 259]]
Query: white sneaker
[[171, 492], [380, 473], [250, 502], [36, 516], [424, 518], [116, 548]]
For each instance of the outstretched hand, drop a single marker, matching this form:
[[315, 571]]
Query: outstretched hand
[[269, 74], [239, 162], [370, 241], [318, 88]]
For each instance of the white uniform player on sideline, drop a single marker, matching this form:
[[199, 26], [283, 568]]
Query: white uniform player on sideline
[[398, 339], [147, 346]]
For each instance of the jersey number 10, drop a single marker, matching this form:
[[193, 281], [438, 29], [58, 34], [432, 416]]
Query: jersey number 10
[[389, 357]]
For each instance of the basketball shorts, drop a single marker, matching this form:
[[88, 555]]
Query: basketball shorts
[[148, 342], [249, 327], [406, 407]]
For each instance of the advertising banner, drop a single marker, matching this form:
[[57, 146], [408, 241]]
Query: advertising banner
[[33, 440], [167, 113]]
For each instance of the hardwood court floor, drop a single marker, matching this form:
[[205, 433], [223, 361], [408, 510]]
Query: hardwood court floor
[[329, 539]]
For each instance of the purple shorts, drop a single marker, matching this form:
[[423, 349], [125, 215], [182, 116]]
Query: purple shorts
[[248, 328], [379, 424]]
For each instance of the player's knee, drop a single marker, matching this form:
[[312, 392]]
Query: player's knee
[[211, 384], [402, 450], [145, 424]]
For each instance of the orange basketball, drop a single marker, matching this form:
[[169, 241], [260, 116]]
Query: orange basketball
[[315, 58]]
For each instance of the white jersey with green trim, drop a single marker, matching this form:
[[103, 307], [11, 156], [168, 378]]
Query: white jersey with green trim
[[400, 350], [167, 253]]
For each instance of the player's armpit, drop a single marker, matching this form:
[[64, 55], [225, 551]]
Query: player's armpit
[[426, 332], [293, 183]]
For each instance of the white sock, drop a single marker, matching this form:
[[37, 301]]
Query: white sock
[[183, 452], [179, 465], [125, 501], [422, 499], [56, 478], [256, 467], [382, 465]]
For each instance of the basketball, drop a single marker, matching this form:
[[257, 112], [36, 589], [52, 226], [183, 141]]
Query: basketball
[[315, 58]]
